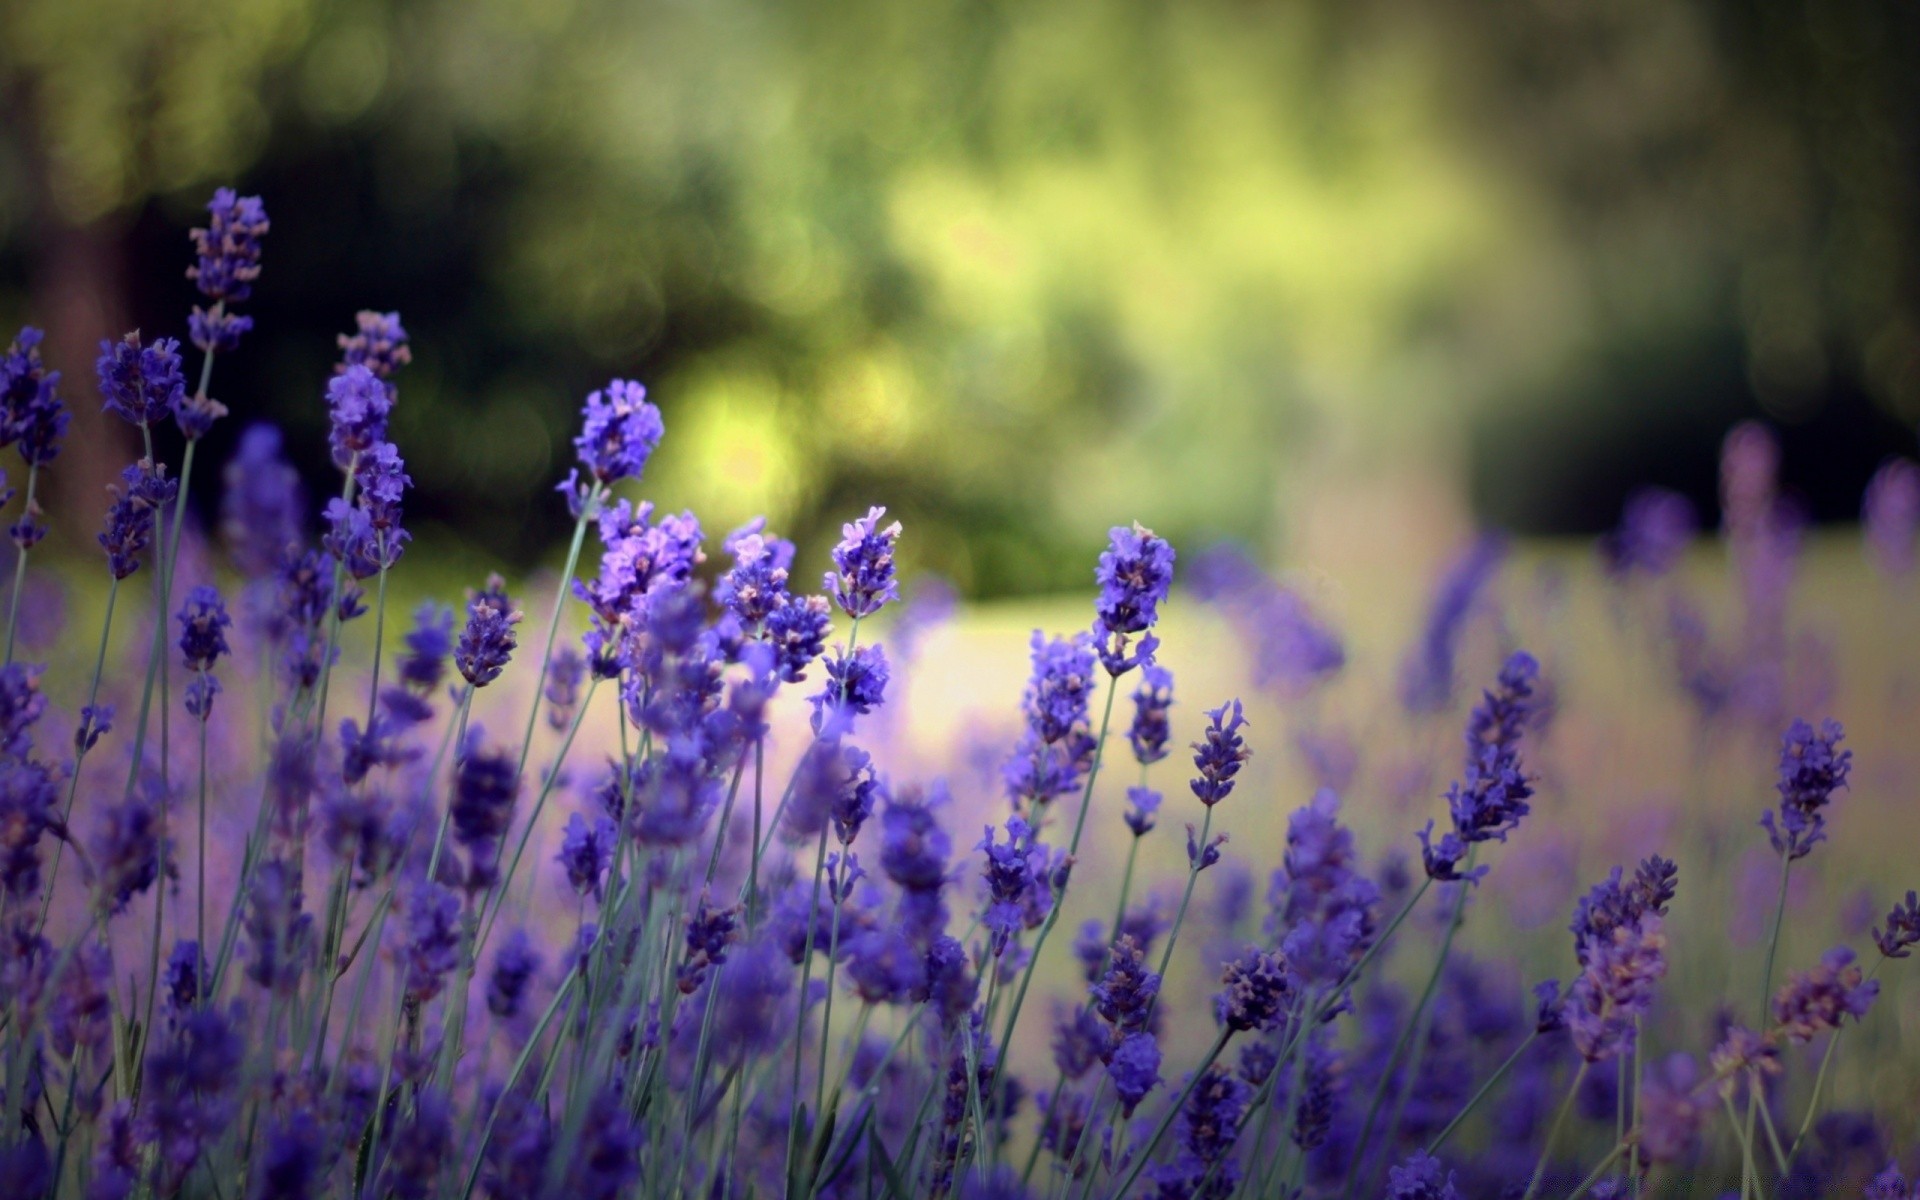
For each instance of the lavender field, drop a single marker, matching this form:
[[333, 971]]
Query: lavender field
[[1535, 869]]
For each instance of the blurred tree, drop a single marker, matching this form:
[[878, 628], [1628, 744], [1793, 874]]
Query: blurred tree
[[1017, 270]]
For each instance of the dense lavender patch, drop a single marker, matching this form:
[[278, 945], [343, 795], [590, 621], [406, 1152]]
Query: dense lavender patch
[[382, 931]]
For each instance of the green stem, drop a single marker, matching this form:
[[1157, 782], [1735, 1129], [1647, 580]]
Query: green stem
[[1414, 1020], [553, 623], [20, 564], [79, 756], [1553, 1131], [1440, 1139], [513, 1075], [806, 979], [200, 923], [1145, 1152]]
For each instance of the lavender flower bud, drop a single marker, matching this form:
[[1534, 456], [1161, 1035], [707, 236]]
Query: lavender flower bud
[[1151, 730], [142, 384], [488, 640], [378, 343], [1219, 756], [1812, 769], [864, 581], [619, 430], [31, 413], [262, 506], [227, 263]]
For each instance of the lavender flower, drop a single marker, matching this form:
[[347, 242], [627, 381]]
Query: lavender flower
[[144, 490], [885, 967], [1134, 573], [856, 685], [430, 939], [279, 933], [358, 404], [710, 931], [619, 430], [1902, 931], [378, 343], [487, 642], [864, 581], [1207, 1126], [29, 804], [797, 628], [513, 969], [203, 624], [1219, 756], [1142, 804], [486, 785], [566, 671], [31, 413], [142, 384], [127, 848], [1258, 988], [586, 852], [262, 505], [1150, 731], [1421, 1177], [1813, 1002], [1655, 528], [1427, 672], [227, 262], [1812, 769], [1292, 649], [1672, 1110], [1491, 797], [1134, 1067], [428, 645]]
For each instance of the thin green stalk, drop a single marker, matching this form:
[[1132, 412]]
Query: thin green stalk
[[753, 862], [1186, 898], [587, 510], [1773, 938], [513, 1075], [79, 756], [200, 922], [1406, 1032], [533, 819], [1748, 1172], [1059, 898], [1145, 1152], [806, 979], [20, 565], [449, 736], [163, 583], [1553, 1131], [1440, 1139], [1820, 1078], [826, 1014], [1605, 1164]]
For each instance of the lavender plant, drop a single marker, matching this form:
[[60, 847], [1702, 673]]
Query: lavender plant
[[723, 977]]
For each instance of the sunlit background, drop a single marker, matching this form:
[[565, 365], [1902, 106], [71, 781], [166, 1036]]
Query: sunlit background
[[1336, 278]]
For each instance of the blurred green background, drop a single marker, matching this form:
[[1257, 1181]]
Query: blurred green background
[[1307, 273]]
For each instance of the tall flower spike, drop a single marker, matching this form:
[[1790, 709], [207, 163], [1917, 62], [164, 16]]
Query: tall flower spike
[[1135, 574], [864, 581], [31, 414], [142, 384], [144, 489], [1813, 1002], [488, 640], [619, 430], [1151, 730], [262, 506], [1812, 769], [1219, 756], [227, 261]]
